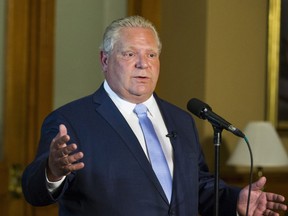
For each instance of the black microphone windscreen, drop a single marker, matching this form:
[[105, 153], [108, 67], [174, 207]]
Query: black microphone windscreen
[[196, 107]]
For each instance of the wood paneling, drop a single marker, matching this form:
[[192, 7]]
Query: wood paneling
[[150, 9]]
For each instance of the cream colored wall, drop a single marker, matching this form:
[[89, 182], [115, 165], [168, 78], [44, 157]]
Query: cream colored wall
[[183, 58], [79, 29], [236, 62], [216, 51]]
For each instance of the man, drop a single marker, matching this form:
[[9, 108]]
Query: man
[[94, 156]]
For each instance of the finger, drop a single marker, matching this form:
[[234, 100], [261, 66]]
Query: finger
[[59, 143], [64, 161], [70, 163], [66, 150], [76, 157], [64, 166], [277, 204], [275, 197], [68, 160], [72, 167], [77, 166], [62, 136], [62, 130], [269, 212], [258, 185]]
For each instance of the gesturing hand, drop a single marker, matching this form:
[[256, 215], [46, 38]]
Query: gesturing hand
[[62, 161], [261, 203]]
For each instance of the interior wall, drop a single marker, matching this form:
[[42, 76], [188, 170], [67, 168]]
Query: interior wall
[[216, 51], [236, 63], [79, 29], [183, 61]]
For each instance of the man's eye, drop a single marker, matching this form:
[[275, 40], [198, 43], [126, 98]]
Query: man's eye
[[152, 55], [128, 54]]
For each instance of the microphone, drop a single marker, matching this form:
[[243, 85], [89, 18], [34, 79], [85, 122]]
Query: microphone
[[204, 111]]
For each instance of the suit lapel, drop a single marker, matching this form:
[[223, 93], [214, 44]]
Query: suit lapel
[[107, 109]]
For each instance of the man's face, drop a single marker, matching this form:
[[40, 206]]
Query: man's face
[[132, 68]]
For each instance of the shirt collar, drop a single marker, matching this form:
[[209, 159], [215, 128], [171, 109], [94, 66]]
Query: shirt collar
[[127, 106]]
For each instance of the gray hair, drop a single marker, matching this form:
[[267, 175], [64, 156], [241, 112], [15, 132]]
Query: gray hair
[[111, 34]]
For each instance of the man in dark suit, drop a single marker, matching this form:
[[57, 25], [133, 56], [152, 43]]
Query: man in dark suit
[[93, 158]]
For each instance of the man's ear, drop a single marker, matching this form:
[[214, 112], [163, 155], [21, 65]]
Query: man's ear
[[104, 60]]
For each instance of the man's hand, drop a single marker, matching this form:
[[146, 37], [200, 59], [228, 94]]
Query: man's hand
[[261, 203], [62, 161]]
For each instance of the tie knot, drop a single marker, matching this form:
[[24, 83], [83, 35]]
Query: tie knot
[[140, 109]]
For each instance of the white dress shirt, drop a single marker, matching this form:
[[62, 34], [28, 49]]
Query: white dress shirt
[[126, 109]]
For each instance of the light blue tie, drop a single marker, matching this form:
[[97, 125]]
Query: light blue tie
[[155, 152]]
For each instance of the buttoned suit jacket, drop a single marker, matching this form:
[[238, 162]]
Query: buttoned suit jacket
[[117, 178]]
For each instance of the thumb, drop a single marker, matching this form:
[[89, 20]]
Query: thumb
[[259, 185], [62, 130]]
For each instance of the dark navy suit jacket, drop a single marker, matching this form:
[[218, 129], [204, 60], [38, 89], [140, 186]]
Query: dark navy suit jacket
[[117, 178]]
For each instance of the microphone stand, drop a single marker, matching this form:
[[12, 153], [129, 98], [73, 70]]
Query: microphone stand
[[217, 142]]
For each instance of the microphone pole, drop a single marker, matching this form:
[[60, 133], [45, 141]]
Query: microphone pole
[[204, 111], [217, 143]]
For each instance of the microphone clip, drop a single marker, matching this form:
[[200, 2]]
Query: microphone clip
[[172, 134]]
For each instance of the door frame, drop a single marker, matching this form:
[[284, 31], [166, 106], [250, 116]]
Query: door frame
[[28, 78]]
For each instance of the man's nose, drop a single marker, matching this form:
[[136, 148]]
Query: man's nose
[[142, 62]]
